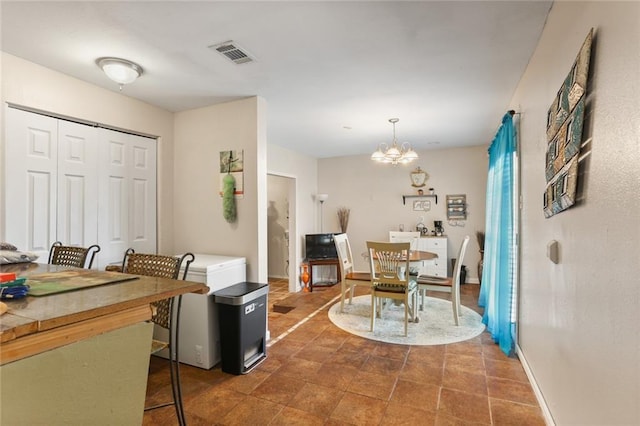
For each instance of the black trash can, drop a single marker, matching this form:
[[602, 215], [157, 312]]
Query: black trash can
[[242, 313], [463, 271]]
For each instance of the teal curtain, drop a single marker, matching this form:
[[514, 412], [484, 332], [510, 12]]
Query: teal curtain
[[498, 275]]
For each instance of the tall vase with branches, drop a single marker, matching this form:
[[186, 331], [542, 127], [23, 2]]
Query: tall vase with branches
[[480, 238], [343, 218]]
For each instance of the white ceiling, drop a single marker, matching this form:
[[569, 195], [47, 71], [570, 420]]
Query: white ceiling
[[332, 72]]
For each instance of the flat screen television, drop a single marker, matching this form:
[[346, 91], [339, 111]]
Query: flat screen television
[[320, 246]]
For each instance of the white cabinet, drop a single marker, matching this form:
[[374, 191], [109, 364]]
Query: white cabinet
[[78, 184], [438, 245], [199, 325]]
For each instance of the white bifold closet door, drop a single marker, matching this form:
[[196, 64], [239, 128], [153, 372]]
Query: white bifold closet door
[[30, 184], [78, 184], [77, 198], [127, 195]]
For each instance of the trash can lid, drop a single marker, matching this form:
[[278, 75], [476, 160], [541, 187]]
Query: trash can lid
[[241, 293]]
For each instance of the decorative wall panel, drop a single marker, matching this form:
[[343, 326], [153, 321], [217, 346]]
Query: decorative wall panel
[[564, 135]]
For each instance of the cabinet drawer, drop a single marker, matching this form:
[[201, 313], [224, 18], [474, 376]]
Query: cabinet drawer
[[440, 262], [442, 256], [441, 252], [435, 270], [433, 243]]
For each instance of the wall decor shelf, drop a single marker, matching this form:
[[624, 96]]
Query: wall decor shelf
[[434, 196], [457, 207]]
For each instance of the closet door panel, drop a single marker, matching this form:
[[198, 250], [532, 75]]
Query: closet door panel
[[143, 187], [30, 181], [77, 184], [39, 200], [113, 196]]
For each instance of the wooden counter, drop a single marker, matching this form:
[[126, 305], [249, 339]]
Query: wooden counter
[[66, 357]]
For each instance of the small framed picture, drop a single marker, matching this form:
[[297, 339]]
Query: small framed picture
[[422, 205]]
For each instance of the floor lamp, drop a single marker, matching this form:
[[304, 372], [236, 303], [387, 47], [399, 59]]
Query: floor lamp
[[322, 198]]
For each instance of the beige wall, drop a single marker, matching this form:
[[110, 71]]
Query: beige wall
[[374, 192], [578, 320], [304, 216], [34, 86], [200, 135]]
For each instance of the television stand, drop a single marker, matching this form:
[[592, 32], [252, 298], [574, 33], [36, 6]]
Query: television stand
[[321, 262]]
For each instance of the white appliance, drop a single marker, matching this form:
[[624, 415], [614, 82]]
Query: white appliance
[[199, 331]]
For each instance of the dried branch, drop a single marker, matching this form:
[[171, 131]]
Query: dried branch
[[343, 218]]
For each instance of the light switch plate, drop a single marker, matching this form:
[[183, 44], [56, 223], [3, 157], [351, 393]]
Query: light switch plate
[[553, 251]]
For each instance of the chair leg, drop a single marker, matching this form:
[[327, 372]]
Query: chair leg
[[455, 303], [406, 316], [174, 347], [342, 291], [373, 309], [174, 367], [414, 311]]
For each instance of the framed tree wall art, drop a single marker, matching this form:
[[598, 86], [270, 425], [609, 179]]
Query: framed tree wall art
[[564, 135], [232, 162]]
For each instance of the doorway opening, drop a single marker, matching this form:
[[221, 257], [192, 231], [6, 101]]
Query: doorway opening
[[281, 229]]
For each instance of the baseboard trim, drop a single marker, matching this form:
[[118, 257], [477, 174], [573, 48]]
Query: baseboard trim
[[278, 277], [546, 413]]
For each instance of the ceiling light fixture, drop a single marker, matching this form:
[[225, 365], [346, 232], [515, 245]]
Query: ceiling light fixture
[[395, 153], [120, 70]]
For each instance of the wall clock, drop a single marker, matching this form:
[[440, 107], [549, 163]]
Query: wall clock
[[418, 178]]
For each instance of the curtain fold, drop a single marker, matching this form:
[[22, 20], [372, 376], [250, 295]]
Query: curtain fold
[[498, 275]]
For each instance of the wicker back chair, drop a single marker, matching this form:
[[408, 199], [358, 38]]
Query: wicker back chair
[[154, 265], [72, 256]]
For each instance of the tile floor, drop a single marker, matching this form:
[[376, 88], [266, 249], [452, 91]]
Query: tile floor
[[318, 374]]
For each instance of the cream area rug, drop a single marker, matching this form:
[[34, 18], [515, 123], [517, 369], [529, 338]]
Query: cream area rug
[[436, 326]]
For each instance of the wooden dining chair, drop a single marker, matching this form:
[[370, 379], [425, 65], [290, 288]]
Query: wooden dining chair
[[160, 266], [447, 285], [349, 278], [412, 237], [390, 279], [72, 255]]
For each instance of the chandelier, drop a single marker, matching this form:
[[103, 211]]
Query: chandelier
[[395, 153]]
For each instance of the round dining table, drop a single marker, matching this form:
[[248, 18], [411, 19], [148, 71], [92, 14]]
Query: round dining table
[[419, 255]]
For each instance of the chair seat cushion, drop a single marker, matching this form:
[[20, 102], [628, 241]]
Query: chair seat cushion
[[392, 288], [428, 279]]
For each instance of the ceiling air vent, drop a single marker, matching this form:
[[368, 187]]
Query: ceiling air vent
[[232, 52]]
